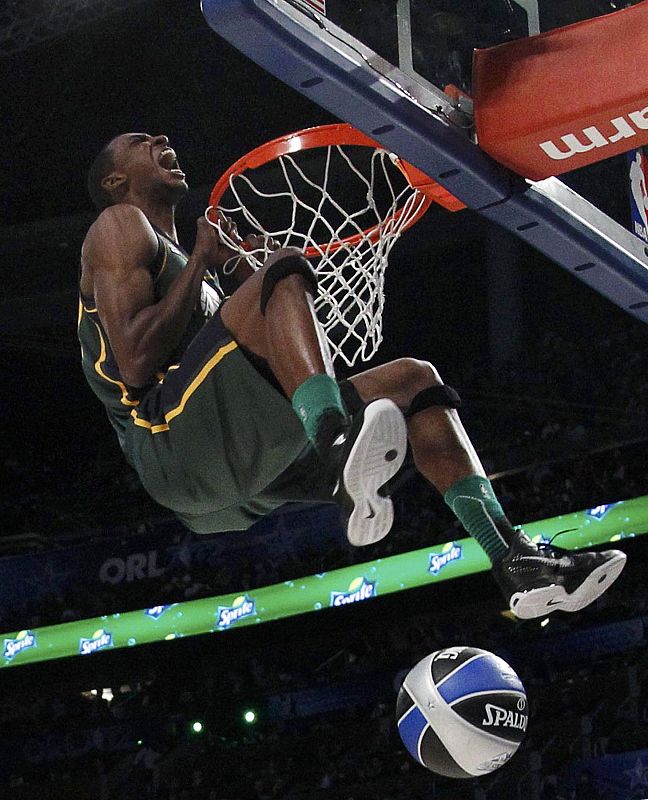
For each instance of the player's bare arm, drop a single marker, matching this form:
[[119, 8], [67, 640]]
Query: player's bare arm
[[116, 255]]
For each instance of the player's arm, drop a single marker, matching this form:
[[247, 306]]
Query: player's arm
[[143, 333]]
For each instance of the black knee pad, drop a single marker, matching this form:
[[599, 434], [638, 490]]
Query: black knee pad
[[439, 395], [290, 265]]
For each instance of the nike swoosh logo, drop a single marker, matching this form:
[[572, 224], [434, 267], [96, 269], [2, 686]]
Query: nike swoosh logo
[[554, 602], [371, 513]]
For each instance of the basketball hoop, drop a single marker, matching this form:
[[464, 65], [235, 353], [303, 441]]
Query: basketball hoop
[[344, 206]]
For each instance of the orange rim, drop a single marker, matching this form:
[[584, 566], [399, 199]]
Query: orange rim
[[321, 136]]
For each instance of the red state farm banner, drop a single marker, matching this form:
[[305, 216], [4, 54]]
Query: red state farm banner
[[566, 98]]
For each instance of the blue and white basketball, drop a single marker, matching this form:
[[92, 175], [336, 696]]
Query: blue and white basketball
[[462, 712]]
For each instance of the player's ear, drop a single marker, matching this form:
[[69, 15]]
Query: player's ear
[[114, 181]]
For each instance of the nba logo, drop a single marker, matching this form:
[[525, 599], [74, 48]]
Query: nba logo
[[638, 173]]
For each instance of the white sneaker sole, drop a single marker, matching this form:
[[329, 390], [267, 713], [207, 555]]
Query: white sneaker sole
[[375, 457], [540, 602]]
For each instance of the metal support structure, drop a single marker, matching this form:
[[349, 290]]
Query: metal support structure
[[533, 14], [404, 21]]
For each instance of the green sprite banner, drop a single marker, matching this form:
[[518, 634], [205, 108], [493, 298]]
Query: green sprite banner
[[604, 523]]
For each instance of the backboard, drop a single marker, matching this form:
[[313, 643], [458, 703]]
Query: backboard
[[379, 67]]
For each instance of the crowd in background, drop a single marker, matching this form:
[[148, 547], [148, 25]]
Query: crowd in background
[[341, 745], [572, 393]]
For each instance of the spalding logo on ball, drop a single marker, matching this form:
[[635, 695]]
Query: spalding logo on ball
[[462, 712]]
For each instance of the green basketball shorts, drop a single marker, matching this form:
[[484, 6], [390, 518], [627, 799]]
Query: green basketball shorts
[[217, 443]]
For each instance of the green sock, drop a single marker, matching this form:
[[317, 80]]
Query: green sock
[[317, 401], [473, 500]]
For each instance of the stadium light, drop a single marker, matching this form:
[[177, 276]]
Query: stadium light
[[250, 716], [197, 726]]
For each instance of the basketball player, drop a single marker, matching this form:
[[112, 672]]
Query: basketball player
[[229, 407]]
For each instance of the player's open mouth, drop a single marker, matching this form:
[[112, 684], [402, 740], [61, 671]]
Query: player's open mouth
[[168, 161]]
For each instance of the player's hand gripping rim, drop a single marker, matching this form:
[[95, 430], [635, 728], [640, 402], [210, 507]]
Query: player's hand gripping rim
[[254, 248]]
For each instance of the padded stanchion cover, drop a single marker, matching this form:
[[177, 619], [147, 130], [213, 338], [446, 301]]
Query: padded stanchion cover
[[566, 98]]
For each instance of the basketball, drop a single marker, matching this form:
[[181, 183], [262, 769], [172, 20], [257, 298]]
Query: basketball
[[462, 712]]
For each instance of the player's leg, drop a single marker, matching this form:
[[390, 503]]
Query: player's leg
[[534, 580], [442, 450], [273, 319], [272, 315]]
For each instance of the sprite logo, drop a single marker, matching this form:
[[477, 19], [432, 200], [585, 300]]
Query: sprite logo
[[598, 512], [23, 641], [156, 611], [438, 561], [98, 641], [359, 589], [242, 606]]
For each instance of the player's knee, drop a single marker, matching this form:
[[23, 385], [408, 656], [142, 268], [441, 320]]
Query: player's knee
[[425, 387], [292, 272], [417, 375]]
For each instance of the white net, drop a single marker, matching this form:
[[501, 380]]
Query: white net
[[345, 207]]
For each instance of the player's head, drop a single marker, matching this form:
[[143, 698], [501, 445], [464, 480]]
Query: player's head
[[135, 165]]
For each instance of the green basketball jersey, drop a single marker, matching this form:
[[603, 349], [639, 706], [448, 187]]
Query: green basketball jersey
[[97, 359]]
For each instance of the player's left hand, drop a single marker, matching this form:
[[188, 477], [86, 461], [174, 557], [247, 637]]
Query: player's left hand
[[227, 231]]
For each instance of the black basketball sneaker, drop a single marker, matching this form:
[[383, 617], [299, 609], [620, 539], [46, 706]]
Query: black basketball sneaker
[[539, 579], [365, 457]]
